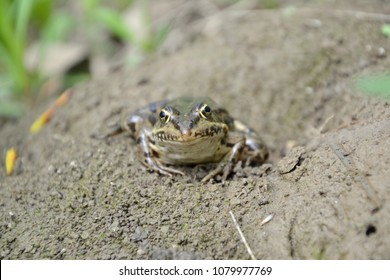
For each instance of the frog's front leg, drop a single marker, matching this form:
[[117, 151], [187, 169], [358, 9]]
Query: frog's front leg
[[139, 126], [236, 143], [149, 158], [255, 151], [245, 145]]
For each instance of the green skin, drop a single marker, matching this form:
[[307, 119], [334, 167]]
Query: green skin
[[188, 131]]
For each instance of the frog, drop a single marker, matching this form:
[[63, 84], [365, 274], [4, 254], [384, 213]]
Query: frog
[[187, 131]]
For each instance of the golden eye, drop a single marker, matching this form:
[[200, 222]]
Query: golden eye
[[165, 116], [205, 111]]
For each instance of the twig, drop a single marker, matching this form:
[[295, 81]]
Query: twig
[[242, 236]]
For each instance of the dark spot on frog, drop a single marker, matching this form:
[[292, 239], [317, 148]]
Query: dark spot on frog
[[152, 119], [132, 126], [147, 155]]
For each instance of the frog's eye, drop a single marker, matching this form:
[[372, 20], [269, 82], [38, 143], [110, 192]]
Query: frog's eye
[[205, 111], [165, 116]]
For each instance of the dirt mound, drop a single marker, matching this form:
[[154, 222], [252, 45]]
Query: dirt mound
[[288, 74]]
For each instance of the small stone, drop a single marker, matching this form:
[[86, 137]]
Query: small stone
[[51, 169], [235, 201], [164, 229], [140, 234], [309, 90], [381, 53], [84, 235], [314, 23], [114, 226], [141, 251], [198, 195]]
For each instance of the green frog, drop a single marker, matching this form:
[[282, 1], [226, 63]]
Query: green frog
[[189, 131]]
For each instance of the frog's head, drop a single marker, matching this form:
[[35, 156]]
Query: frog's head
[[188, 119]]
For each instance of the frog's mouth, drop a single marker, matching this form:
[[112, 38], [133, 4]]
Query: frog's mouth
[[188, 136]]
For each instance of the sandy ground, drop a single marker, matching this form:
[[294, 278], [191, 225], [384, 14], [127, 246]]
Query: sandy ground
[[289, 75]]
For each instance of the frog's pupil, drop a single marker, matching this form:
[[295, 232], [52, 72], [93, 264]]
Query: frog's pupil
[[162, 114], [207, 109]]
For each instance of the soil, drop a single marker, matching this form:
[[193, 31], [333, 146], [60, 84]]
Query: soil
[[288, 73]]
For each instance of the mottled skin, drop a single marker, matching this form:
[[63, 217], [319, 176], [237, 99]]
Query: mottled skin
[[188, 131]]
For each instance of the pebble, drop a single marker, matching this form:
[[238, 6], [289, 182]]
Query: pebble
[[164, 229], [381, 53]]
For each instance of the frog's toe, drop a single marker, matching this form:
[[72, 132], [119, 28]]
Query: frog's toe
[[171, 170], [213, 173], [164, 170], [226, 171]]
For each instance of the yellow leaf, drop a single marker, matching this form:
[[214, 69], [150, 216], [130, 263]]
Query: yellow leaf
[[46, 116], [41, 121], [63, 98], [10, 159]]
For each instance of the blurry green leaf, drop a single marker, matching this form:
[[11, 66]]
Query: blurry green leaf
[[90, 5], [114, 22], [10, 108], [375, 85], [12, 49], [122, 4], [5, 86], [42, 11], [152, 44], [73, 79], [161, 35], [58, 27], [386, 30], [14, 21], [270, 4], [22, 18], [50, 21], [289, 10]]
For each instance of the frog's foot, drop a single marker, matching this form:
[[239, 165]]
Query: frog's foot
[[255, 152], [224, 168], [227, 165], [155, 165]]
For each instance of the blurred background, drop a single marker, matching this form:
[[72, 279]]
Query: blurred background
[[47, 46]]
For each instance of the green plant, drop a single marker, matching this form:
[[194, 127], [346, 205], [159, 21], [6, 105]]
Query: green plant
[[47, 21], [15, 79], [96, 13], [270, 4], [19, 84], [386, 30], [145, 40], [376, 85]]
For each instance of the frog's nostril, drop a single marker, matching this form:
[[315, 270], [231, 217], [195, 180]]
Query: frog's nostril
[[185, 128], [185, 131]]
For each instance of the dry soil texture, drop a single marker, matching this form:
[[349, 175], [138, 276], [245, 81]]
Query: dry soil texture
[[290, 75]]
